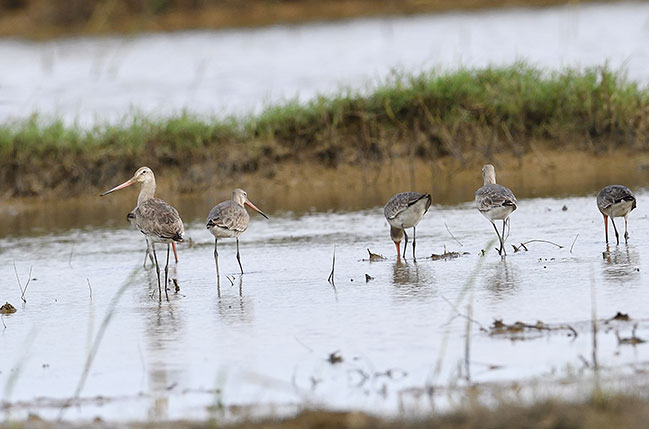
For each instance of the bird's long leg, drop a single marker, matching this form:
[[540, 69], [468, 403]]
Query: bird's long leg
[[167, 272], [502, 243], [617, 236], [173, 247], [239, 256], [405, 246], [606, 227], [157, 270], [626, 228], [500, 252], [414, 241], [216, 262]]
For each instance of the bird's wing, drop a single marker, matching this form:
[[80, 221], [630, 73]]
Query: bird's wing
[[494, 195], [228, 215], [157, 217], [402, 201]]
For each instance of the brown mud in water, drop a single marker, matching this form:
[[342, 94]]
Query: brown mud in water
[[54, 18], [309, 187]]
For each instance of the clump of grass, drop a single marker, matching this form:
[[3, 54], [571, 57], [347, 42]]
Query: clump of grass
[[427, 115]]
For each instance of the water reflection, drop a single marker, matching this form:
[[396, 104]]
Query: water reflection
[[621, 262], [234, 308], [413, 279], [502, 278]]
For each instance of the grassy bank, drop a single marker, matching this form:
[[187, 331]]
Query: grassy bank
[[463, 114], [52, 18]]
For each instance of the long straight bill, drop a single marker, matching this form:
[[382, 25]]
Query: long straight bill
[[117, 188], [251, 205]]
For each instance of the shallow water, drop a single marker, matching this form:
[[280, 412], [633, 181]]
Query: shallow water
[[266, 338], [92, 80]]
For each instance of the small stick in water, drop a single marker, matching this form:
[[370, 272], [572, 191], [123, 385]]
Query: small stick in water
[[333, 267], [573, 242]]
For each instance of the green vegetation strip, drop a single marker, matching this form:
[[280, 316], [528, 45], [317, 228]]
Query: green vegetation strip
[[427, 115]]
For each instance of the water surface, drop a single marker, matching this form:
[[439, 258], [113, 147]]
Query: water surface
[[266, 338]]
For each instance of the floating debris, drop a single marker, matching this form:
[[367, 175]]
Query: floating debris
[[375, 256], [624, 317], [633, 339], [564, 208], [368, 278], [7, 309], [498, 327], [335, 357], [447, 255]]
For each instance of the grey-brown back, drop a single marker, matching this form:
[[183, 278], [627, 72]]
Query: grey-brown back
[[156, 218], [614, 194], [402, 201], [493, 195], [228, 215]]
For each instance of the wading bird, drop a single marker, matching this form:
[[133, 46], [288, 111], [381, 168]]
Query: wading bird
[[495, 202], [616, 201], [148, 255], [155, 218], [229, 219], [402, 211]]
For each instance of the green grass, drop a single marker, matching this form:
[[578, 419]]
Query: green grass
[[431, 114]]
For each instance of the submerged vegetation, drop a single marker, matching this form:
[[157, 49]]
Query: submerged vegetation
[[459, 114]]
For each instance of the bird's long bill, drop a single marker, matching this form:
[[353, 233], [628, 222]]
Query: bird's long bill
[[129, 182], [252, 206]]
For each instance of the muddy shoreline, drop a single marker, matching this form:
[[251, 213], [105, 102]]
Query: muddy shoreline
[[38, 19], [311, 187]]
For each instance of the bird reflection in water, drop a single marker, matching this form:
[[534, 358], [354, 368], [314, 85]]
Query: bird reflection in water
[[620, 262], [501, 278], [234, 308], [413, 279]]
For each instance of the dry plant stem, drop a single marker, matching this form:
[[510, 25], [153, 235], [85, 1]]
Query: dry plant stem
[[593, 306], [452, 236], [89, 288], [112, 306], [573, 242], [333, 267], [2, 319], [464, 316], [541, 241]]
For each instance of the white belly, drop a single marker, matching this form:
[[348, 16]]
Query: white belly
[[411, 216], [619, 209], [498, 213], [218, 232]]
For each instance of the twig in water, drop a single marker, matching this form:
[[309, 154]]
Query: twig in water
[[89, 288], [333, 266], [452, 236], [573, 242], [23, 290], [464, 316], [541, 241], [2, 319]]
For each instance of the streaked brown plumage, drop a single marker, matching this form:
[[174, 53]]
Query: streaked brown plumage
[[155, 218], [229, 219], [495, 202], [616, 201], [405, 210]]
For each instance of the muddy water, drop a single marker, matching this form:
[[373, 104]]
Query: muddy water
[[219, 72], [266, 337]]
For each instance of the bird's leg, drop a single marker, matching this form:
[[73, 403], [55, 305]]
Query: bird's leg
[[626, 229], [617, 236], [239, 256], [405, 246], [157, 270], [414, 241], [606, 227], [216, 262], [502, 243], [500, 252], [173, 246], [167, 272]]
